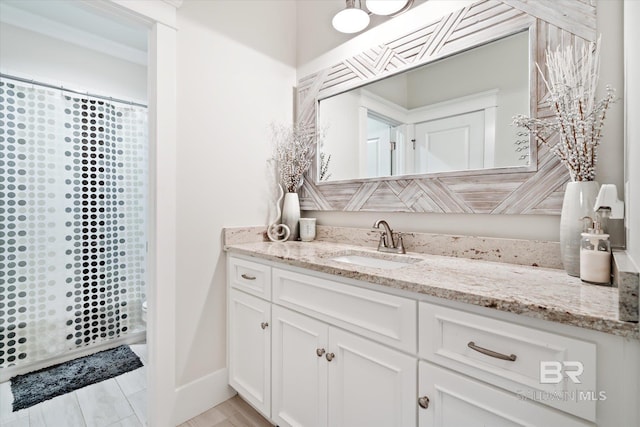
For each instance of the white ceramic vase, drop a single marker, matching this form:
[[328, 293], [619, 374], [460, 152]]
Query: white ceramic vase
[[291, 214], [579, 198]]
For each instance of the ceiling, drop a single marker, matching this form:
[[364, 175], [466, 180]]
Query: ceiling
[[82, 22], [90, 24], [316, 36]]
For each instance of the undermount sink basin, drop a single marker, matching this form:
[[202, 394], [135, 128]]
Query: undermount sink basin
[[374, 260]]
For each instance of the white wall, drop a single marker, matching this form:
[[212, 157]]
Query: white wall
[[632, 126], [32, 55], [394, 89], [341, 123], [535, 227], [236, 74]]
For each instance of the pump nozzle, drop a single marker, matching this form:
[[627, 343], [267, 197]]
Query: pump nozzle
[[608, 199]]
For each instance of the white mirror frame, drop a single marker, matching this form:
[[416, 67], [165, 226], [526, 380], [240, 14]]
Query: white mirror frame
[[536, 189]]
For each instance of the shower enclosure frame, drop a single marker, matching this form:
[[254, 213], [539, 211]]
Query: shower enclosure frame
[[160, 18]]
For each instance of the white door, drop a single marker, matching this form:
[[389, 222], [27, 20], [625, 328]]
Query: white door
[[369, 384], [299, 369], [250, 349], [378, 156], [382, 137], [457, 400], [398, 154], [450, 144]]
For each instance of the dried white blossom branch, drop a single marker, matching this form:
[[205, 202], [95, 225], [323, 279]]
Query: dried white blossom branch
[[578, 116], [293, 150], [325, 160]]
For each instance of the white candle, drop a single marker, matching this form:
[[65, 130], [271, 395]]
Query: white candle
[[307, 229], [595, 266]]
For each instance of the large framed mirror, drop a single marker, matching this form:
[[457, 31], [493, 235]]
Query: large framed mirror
[[402, 138], [410, 123]]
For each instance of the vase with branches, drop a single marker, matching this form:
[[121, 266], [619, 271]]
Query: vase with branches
[[573, 134], [293, 151], [294, 147], [574, 131]]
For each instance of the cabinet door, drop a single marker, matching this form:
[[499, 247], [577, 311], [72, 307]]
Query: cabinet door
[[369, 384], [250, 349], [457, 400], [299, 369]]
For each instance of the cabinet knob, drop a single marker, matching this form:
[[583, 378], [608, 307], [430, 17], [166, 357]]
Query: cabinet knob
[[320, 351], [264, 325], [423, 402], [330, 356]]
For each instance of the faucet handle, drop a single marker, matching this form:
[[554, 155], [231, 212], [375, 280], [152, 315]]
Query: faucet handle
[[383, 240], [400, 243], [400, 234]]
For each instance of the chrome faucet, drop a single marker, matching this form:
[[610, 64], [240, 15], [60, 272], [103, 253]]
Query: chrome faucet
[[387, 242]]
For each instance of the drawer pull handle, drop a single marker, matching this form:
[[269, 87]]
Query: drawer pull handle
[[473, 346], [247, 277], [264, 325], [320, 351], [330, 356], [423, 402]]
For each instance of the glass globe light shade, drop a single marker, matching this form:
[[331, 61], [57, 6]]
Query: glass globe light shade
[[350, 20], [385, 7]]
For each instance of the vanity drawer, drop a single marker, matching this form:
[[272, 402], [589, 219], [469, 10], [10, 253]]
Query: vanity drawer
[[457, 400], [249, 276], [388, 319], [483, 347]]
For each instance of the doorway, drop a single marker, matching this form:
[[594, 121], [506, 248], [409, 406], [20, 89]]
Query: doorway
[[159, 20]]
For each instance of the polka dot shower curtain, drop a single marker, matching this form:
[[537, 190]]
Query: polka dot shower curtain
[[73, 209]]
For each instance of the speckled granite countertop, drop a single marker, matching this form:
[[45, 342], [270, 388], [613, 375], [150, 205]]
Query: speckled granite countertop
[[542, 293]]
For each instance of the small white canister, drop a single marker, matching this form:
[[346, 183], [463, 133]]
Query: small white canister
[[595, 256]]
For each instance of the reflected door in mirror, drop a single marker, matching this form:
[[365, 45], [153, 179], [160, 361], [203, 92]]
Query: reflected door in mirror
[[451, 144], [384, 147]]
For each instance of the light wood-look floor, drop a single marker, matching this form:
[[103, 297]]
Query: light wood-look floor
[[117, 402], [235, 412]]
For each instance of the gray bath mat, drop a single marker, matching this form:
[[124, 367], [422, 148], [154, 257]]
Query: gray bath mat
[[35, 387]]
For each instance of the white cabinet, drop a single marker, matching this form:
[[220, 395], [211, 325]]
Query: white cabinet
[[250, 277], [457, 400], [249, 350], [390, 352], [510, 356], [325, 376], [299, 369], [384, 318], [369, 384]]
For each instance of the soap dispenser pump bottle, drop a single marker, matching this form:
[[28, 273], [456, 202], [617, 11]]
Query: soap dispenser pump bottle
[[595, 256]]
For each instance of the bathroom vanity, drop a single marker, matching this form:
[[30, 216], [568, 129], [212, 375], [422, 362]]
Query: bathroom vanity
[[327, 334], [336, 334]]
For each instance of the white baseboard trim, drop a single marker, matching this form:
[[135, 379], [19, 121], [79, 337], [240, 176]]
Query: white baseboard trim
[[198, 396]]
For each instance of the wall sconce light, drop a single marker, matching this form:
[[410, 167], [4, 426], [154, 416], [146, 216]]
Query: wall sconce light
[[353, 19]]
